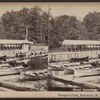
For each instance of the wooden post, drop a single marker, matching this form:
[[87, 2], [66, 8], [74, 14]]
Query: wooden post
[[26, 33]]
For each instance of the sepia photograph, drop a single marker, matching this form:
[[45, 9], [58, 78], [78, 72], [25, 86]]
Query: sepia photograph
[[50, 49], [74, 47], [23, 47]]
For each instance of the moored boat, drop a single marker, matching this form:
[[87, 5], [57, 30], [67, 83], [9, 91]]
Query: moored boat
[[68, 71], [31, 75], [55, 67], [6, 69], [79, 59], [19, 62], [69, 68], [86, 71]]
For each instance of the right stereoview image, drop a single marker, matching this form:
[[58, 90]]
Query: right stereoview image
[[74, 48]]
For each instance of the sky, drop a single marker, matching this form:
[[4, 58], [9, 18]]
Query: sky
[[72, 9], [79, 12]]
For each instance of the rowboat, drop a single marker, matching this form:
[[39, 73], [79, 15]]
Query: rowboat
[[79, 59], [55, 67], [6, 69], [31, 75], [19, 62], [86, 71]]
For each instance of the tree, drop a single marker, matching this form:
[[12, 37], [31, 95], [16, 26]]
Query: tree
[[66, 27], [15, 23], [92, 24], [73, 29], [54, 34]]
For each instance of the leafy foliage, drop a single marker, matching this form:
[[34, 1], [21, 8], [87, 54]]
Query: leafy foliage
[[66, 27], [92, 24], [69, 27], [38, 63], [44, 28], [14, 24]]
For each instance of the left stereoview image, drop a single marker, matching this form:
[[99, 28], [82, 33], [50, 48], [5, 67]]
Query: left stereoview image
[[23, 47]]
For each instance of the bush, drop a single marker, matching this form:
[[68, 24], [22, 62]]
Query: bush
[[38, 63]]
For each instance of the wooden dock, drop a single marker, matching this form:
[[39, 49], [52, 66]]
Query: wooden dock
[[69, 85], [16, 88]]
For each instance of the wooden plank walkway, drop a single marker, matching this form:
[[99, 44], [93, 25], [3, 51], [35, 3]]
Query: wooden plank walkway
[[77, 84], [16, 88]]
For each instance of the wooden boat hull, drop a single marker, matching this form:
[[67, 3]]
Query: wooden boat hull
[[27, 77], [79, 59], [82, 73], [11, 71], [34, 75], [6, 73], [68, 71], [55, 69]]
